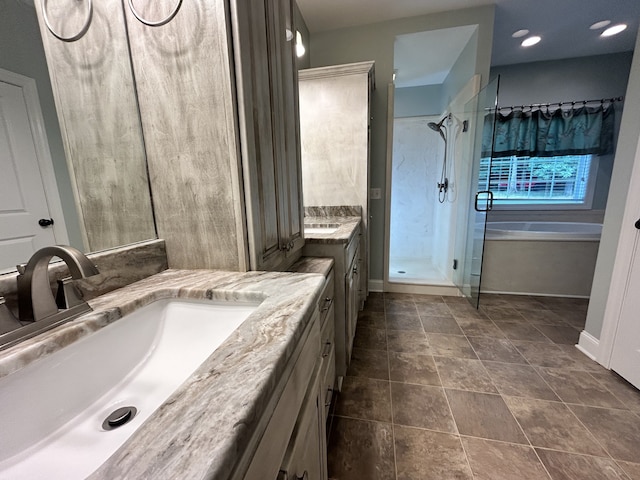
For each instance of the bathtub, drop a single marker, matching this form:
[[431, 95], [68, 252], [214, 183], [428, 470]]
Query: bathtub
[[557, 231], [540, 258]]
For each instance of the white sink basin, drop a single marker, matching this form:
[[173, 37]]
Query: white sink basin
[[52, 411], [321, 230]]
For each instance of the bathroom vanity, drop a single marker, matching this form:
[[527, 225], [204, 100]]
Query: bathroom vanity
[[255, 408], [339, 237]]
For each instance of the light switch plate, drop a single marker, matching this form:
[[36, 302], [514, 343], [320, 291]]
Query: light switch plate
[[376, 194]]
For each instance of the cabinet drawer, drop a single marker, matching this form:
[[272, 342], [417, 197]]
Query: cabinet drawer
[[352, 246], [328, 369], [326, 299], [272, 447]]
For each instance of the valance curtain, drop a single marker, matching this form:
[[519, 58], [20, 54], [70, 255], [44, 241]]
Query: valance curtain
[[543, 133]]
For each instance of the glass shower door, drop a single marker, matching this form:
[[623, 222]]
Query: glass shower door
[[480, 112]]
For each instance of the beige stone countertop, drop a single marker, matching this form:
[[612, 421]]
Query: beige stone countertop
[[211, 421], [346, 229]]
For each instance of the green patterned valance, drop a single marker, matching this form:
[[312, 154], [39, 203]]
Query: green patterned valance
[[540, 133]]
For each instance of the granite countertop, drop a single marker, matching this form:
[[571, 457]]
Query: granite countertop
[[206, 426], [347, 227], [321, 265]]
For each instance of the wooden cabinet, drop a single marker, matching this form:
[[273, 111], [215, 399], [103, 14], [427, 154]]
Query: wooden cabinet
[[347, 293], [217, 93], [335, 127], [269, 130]]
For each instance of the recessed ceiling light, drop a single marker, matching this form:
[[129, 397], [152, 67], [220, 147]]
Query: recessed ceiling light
[[599, 25], [613, 30], [520, 33], [531, 41]]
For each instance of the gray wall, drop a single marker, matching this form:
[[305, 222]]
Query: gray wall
[[584, 78], [21, 52], [418, 101], [463, 69], [376, 42], [623, 166]]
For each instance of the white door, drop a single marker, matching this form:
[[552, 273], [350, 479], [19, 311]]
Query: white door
[[23, 202], [625, 358]]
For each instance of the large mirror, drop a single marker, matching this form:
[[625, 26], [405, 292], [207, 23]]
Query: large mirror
[[85, 183]]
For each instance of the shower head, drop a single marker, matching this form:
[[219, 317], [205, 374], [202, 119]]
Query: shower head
[[437, 127]]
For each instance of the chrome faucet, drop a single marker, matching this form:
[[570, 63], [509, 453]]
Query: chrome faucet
[[35, 297]]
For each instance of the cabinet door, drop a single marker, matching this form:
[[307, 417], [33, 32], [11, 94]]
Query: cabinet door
[[286, 123], [306, 453], [352, 302], [253, 66]]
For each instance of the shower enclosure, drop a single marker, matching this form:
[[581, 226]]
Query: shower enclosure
[[437, 215]]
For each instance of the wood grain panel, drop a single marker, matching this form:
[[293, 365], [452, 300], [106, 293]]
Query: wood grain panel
[[95, 98], [186, 93]]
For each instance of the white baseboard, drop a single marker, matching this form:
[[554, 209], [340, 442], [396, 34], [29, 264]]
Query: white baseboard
[[376, 285], [589, 345]]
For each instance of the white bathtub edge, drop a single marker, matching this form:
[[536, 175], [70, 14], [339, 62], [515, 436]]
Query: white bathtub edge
[[589, 345]]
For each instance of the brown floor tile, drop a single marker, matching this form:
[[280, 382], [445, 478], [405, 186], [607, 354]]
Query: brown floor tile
[[617, 430], [484, 415], [575, 318], [370, 338], [425, 299], [404, 321], [448, 299], [570, 466], [365, 398], [580, 360], [479, 327], [495, 300], [450, 345], [560, 334], [447, 325], [574, 386], [544, 354], [464, 374], [408, 342], [503, 314], [464, 310], [413, 368], [361, 449], [400, 306], [496, 349], [421, 406], [552, 425], [374, 304], [522, 331], [370, 319], [519, 381], [502, 461], [632, 469], [427, 455], [393, 296], [433, 309], [624, 391], [524, 302], [541, 316], [369, 363]]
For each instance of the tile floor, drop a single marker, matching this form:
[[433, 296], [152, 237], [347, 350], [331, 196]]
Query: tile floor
[[439, 390]]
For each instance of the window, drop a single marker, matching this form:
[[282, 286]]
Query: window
[[540, 182]]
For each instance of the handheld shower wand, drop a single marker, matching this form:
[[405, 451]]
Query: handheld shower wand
[[443, 184]]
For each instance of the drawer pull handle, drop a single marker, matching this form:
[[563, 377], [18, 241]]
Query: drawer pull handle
[[328, 301], [327, 398], [326, 350]]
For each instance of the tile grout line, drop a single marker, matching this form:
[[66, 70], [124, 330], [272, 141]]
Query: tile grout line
[[393, 428]]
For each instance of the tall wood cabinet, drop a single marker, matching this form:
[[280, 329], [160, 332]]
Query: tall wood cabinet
[[217, 90]]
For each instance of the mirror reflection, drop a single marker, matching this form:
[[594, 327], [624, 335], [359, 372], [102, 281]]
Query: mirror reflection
[[71, 146]]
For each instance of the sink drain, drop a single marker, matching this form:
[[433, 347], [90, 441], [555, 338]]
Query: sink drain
[[119, 417]]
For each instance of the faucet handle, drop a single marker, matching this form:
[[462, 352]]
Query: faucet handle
[[68, 294], [21, 267]]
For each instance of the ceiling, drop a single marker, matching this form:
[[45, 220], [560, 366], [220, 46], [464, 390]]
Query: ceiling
[[562, 24]]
